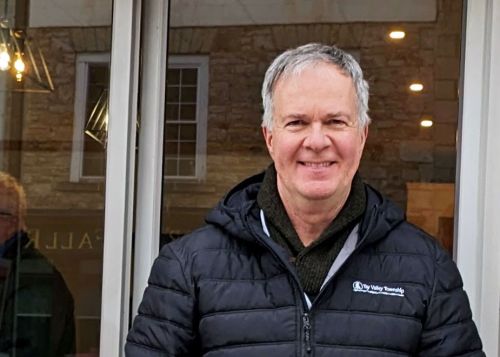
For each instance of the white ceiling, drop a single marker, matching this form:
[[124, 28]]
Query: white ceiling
[[184, 13]]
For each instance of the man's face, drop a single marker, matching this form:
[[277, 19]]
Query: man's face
[[315, 142], [9, 220]]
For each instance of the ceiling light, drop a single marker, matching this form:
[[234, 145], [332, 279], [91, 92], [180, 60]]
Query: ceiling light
[[426, 123], [397, 35], [416, 87]]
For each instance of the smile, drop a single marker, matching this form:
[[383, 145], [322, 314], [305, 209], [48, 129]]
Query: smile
[[316, 164]]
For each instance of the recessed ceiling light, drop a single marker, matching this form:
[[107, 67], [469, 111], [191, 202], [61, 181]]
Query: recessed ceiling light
[[426, 123], [416, 87], [397, 35]]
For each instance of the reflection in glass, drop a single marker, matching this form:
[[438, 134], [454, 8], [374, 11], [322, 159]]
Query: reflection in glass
[[36, 306], [53, 145]]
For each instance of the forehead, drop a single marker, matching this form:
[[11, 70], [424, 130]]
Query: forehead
[[314, 75]]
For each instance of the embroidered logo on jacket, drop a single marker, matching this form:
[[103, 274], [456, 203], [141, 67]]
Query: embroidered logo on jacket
[[360, 287]]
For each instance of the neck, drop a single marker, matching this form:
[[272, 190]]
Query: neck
[[310, 218]]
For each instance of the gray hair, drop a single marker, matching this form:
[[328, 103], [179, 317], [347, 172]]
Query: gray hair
[[295, 60]]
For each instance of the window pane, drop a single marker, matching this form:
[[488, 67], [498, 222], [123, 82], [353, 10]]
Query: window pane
[[186, 167], [172, 112], [188, 112], [187, 149], [172, 132], [188, 132], [173, 76], [171, 167], [173, 94], [188, 94], [172, 148], [189, 76]]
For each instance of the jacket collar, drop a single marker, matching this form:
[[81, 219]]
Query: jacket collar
[[239, 215]]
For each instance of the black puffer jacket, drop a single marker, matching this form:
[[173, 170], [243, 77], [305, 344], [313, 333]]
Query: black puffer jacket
[[229, 290]]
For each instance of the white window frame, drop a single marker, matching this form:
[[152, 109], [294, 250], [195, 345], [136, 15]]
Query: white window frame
[[201, 64], [83, 60]]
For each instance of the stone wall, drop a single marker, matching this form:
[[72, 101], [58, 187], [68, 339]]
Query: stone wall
[[47, 136], [398, 149]]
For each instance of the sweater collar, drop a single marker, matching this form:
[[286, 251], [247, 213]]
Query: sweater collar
[[279, 223]]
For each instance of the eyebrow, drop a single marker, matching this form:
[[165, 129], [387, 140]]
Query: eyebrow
[[327, 115]]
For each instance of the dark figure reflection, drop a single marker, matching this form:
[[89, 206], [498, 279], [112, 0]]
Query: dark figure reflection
[[36, 307]]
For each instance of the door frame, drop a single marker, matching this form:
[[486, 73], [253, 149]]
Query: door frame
[[120, 176], [478, 170]]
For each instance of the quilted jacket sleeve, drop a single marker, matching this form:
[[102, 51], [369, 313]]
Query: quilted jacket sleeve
[[449, 329], [165, 324]]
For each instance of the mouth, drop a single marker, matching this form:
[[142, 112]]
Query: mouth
[[316, 165]]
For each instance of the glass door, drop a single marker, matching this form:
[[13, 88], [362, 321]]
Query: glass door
[[61, 125]]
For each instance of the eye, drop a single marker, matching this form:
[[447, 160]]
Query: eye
[[295, 123], [336, 122]]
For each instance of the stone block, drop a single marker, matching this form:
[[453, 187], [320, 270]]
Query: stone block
[[426, 172], [427, 38], [410, 174], [447, 68], [263, 42], [350, 35], [450, 24], [445, 134], [445, 111], [281, 37], [443, 174], [448, 46], [445, 89], [445, 156], [416, 151]]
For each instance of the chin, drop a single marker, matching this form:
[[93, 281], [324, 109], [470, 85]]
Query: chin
[[318, 193]]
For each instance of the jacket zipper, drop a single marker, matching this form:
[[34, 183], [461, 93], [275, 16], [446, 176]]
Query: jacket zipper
[[356, 249], [306, 318], [307, 332]]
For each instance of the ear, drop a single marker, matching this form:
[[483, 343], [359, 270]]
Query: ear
[[365, 134], [268, 138]]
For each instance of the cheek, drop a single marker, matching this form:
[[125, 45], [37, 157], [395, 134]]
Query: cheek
[[281, 149], [351, 150]]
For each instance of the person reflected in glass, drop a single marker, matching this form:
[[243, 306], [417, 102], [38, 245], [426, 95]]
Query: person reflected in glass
[[36, 306]]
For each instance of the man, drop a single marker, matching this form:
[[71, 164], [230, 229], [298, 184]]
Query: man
[[36, 307], [305, 259]]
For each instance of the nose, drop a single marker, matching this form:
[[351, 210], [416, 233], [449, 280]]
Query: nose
[[317, 138]]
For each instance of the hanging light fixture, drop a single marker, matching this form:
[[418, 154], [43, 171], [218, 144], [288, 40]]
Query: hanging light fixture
[[22, 59], [97, 123], [4, 58]]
